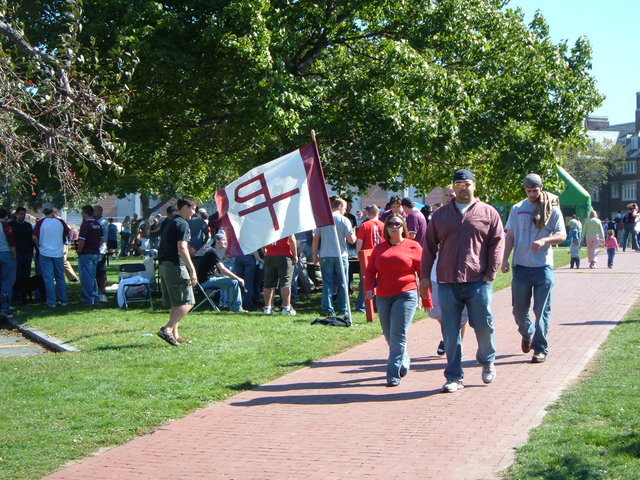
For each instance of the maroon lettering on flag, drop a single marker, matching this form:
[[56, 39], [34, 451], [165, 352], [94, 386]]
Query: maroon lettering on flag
[[268, 202]]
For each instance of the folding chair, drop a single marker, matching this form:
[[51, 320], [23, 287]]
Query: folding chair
[[143, 290], [207, 298]]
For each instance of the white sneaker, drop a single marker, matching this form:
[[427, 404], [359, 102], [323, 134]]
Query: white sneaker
[[288, 311], [452, 386], [488, 373], [267, 310], [102, 298]]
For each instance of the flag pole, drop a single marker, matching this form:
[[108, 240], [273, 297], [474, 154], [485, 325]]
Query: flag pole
[[343, 274]]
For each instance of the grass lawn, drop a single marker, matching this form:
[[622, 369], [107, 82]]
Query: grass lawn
[[593, 431], [126, 382]]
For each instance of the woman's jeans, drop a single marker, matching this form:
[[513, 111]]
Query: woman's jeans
[[124, 244], [629, 231], [395, 313]]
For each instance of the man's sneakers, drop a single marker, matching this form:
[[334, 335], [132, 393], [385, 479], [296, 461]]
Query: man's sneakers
[[285, 311], [102, 298], [452, 386], [441, 351], [168, 337], [488, 373]]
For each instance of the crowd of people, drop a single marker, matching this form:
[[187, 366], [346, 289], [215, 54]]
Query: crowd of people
[[442, 257]]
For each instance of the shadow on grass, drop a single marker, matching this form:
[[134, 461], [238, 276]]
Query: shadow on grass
[[99, 334], [566, 467], [627, 444], [105, 348], [304, 363]]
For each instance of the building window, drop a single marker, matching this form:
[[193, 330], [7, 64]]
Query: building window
[[629, 167], [615, 190], [629, 192]]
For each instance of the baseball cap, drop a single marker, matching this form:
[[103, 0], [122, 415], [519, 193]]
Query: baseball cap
[[463, 174], [532, 180]]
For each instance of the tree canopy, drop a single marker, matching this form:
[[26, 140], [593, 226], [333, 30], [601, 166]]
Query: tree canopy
[[57, 111], [398, 92], [592, 166]]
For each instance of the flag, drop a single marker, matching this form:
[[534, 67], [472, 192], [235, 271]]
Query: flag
[[275, 200]]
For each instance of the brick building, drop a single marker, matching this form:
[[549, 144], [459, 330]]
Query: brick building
[[621, 189]]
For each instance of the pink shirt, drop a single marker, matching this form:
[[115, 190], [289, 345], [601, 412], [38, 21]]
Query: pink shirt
[[611, 242]]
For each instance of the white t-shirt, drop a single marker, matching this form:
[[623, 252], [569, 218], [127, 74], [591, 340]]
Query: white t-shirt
[[51, 238], [525, 232]]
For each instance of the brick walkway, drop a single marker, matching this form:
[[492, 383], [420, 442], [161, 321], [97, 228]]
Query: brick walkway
[[337, 420]]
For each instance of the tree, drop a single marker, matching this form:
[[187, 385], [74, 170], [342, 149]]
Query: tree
[[592, 166], [56, 110], [398, 92]]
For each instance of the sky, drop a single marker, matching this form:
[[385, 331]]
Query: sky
[[610, 28]]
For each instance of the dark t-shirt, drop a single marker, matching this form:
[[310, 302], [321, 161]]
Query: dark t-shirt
[[22, 233], [175, 230], [91, 233], [208, 266]]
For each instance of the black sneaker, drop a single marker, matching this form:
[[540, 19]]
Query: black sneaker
[[441, 351], [164, 334]]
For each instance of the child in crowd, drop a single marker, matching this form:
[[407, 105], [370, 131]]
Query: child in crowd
[[611, 244], [574, 251]]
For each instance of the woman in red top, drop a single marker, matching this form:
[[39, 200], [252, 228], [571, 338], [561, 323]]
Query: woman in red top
[[393, 269]]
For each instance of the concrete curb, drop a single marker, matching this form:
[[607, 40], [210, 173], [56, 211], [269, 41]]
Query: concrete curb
[[37, 336]]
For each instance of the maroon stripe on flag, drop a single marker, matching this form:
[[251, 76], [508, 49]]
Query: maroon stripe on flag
[[233, 246], [317, 186], [222, 202]]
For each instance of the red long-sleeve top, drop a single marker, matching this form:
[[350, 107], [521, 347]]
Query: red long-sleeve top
[[393, 268]]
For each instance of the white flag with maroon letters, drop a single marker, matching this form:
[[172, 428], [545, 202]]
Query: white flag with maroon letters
[[275, 200]]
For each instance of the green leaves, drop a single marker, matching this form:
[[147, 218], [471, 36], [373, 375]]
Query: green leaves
[[398, 92]]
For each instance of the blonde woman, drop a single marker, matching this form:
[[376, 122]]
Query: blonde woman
[[593, 236]]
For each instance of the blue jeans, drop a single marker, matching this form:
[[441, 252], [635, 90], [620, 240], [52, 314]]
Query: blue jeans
[[395, 313], [53, 268], [330, 270], [88, 264], [476, 296], [245, 268], [228, 285], [7, 278], [611, 253], [629, 231], [359, 305], [536, 282]]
